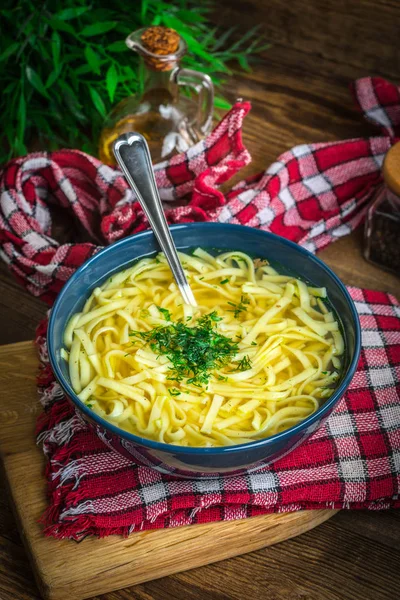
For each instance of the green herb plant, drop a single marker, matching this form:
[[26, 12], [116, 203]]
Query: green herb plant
[[64, 64]]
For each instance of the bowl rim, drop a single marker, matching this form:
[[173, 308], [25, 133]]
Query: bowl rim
[[195, 450]]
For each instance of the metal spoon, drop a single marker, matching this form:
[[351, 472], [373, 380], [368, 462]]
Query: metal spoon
[[133, 156]]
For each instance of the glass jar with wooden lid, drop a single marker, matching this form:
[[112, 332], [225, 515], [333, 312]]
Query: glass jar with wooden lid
[[382, 225]]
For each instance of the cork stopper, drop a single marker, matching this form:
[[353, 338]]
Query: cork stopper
[[161, 41], [391, 169]]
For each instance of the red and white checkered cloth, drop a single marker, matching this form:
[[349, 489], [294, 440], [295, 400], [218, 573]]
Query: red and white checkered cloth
[[353, 461], [313, 194]]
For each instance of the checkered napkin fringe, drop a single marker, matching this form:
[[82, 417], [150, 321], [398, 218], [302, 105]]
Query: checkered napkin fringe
[[313, 194], [352, 462]]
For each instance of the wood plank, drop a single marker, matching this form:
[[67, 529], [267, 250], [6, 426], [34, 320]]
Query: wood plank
[[360, 34], [20, 312], [65, 570]]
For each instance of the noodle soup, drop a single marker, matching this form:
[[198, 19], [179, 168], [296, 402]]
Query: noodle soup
[[259, 354]]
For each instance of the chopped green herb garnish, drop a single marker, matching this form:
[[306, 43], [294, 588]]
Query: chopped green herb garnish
[[213, 316], [189, 318], [173, 392], [221, 378], [324, 372], [244, 364], [239, 258], [157, 261], [165, 312], [224, 281], [193, 351], [254, 343], [201, 278], [89, 405], [241, 307]]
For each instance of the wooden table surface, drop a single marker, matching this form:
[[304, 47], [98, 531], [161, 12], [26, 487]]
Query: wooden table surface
[[299, 92]]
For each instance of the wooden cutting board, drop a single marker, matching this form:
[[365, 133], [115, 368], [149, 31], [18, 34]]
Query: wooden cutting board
[[65, 570]]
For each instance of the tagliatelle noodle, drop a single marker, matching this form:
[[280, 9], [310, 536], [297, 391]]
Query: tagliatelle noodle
[[287, 355]]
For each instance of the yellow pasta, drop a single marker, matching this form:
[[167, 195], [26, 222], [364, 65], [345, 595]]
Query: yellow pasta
[[258, 355]]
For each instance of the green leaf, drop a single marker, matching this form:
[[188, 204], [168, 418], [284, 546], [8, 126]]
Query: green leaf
[[222, 103], [98, 28], [209, 38], [87, 147], [143, 11], [128, 74], [9, 51], [93, 59], [261, 48], [7, 14], [119, 46], [195, 46], [43, 50], [72, 102], [19, 148], [32, 39], [35, 81], [97, 101], [190, 16], [10, 86], [59, 25], [83, 69], [223, 37], [156, 20], [111, 81], [71, 13], [42, 28], [72, 55], [21, 121], [250, 33], [174, 23], [52, 77], [107, 13], [243, 62], [123, 29], [56, 48]]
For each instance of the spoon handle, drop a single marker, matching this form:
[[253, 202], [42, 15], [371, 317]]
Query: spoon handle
[[133, 156]]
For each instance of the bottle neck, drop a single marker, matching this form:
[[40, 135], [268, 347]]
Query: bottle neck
[[156, 78]]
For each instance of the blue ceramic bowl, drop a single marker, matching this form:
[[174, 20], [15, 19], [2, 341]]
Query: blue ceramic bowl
[[288, 258]]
